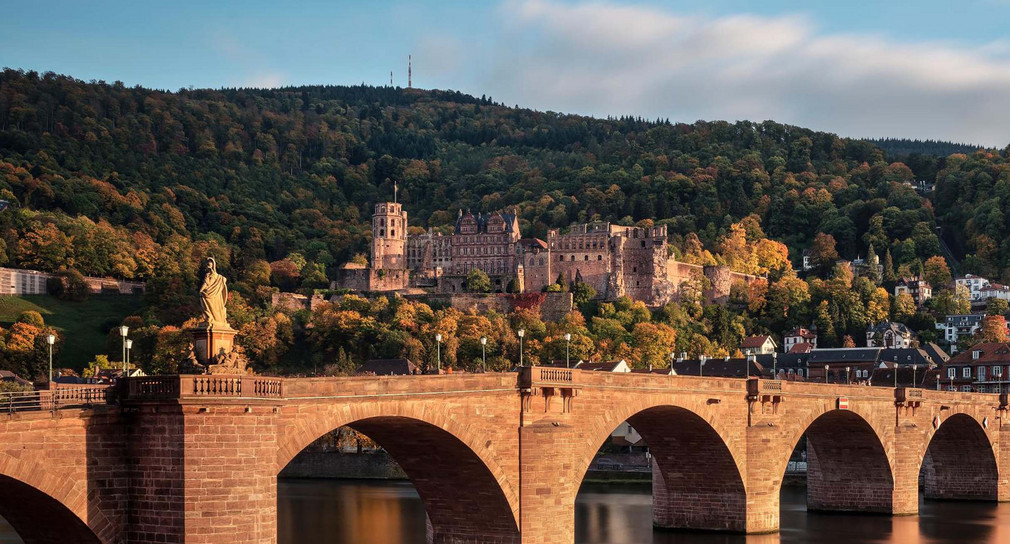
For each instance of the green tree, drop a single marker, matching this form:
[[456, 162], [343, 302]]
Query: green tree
[[477, 282], [997, 306]]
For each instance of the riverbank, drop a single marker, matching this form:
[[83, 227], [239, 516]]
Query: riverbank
[[379, 465]]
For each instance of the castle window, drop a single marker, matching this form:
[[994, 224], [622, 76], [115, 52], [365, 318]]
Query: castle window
[[382, 222], [573, 257], [382, 232], [634, 269], [643, 243], [599, 257], [586, 257], [561, 258], [392, 232]]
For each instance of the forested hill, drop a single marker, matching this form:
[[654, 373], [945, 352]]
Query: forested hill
[[133, 182], [898, 147]]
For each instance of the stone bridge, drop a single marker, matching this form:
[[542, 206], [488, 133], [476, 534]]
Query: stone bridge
[[496, 458]]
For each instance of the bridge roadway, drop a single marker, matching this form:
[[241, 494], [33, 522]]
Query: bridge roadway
[[496, 458]]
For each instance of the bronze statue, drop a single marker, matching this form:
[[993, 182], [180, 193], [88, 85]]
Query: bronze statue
[[214, 296]]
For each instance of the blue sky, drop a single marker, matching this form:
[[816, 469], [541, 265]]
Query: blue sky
[[927, 69]]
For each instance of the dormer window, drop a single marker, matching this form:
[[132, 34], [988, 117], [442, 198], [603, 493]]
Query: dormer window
[[975, 354]]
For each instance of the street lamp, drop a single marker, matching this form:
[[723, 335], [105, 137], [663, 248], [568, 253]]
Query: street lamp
[[847, 374], [129, 346], [483, 353], [775, 366], [568, 350], [51, 339], [521, 334], [123, 331], [438, 351], [914, 368], [825, 373]]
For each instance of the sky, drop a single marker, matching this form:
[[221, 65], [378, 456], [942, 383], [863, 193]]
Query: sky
[[913, 69]]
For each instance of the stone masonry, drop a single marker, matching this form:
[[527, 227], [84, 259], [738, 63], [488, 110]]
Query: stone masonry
[[496, 458]]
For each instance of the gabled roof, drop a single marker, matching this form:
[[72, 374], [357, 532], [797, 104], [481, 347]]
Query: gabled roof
[[754, 341], [608, 366], [737, 367], [802, 347], [844, 355], [989, 353], [898, 328]]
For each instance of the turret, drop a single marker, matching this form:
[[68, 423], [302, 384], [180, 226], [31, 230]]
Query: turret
[[389, 236]]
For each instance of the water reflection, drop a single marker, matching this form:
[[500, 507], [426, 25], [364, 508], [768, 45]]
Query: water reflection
[[357, 512]]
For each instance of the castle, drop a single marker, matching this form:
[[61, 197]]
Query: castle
[[615, 260]]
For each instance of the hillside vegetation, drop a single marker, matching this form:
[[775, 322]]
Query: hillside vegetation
[[279, 184]]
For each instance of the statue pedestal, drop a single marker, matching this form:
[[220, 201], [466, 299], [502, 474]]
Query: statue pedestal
[[211, 341]]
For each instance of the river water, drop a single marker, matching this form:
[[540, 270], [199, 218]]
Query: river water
[[383, 512], [355, 512]]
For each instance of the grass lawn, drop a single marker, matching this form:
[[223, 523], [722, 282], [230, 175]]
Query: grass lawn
[[84, 325]]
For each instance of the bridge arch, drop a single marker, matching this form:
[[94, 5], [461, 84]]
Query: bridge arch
[[959, 461], [43, 509], [697, 470], [466, 494], [848, 467]]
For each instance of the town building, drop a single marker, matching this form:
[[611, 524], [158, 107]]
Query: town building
[[889, 334], [958, 326], [758, 345], [621, 366], [614, 260], [857, 365], [18, 282], [863, 267], [973, 284], [800, 335], [918, 288], [808, 261], [985, 368], [388, 367], [995, 290]]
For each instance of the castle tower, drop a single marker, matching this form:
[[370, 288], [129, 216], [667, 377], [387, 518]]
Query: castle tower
[[389, 237]]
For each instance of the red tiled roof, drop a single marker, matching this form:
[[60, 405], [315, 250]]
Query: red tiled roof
[[753, 341], [802, 347], [991, 352]]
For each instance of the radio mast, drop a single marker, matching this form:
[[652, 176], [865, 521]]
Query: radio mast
[[410, 81]]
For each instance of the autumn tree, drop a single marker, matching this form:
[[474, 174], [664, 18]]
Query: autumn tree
[[936, 272], [992, 329], [822, 252]]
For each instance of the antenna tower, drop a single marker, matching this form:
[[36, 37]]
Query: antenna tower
[[410, 82], [390, 78]]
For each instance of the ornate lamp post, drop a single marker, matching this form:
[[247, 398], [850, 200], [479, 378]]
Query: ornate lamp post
[[568, 350], [521, 334], [124, 331], [825, 373], [51, 339], [438, 351], [848, 373], [483, 353], [914, 368]]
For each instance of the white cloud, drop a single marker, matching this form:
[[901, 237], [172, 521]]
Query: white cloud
[[602, 58]]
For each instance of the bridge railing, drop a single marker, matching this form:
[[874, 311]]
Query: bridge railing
[[50, 400], [202, 386], [546, 376]]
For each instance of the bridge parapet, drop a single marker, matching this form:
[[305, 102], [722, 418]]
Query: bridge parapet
[[201, 386], [59, 397]]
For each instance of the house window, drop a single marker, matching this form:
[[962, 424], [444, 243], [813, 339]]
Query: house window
[[966, 372], [981, 373], [975, 354], [951, 372], [997, 371]]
